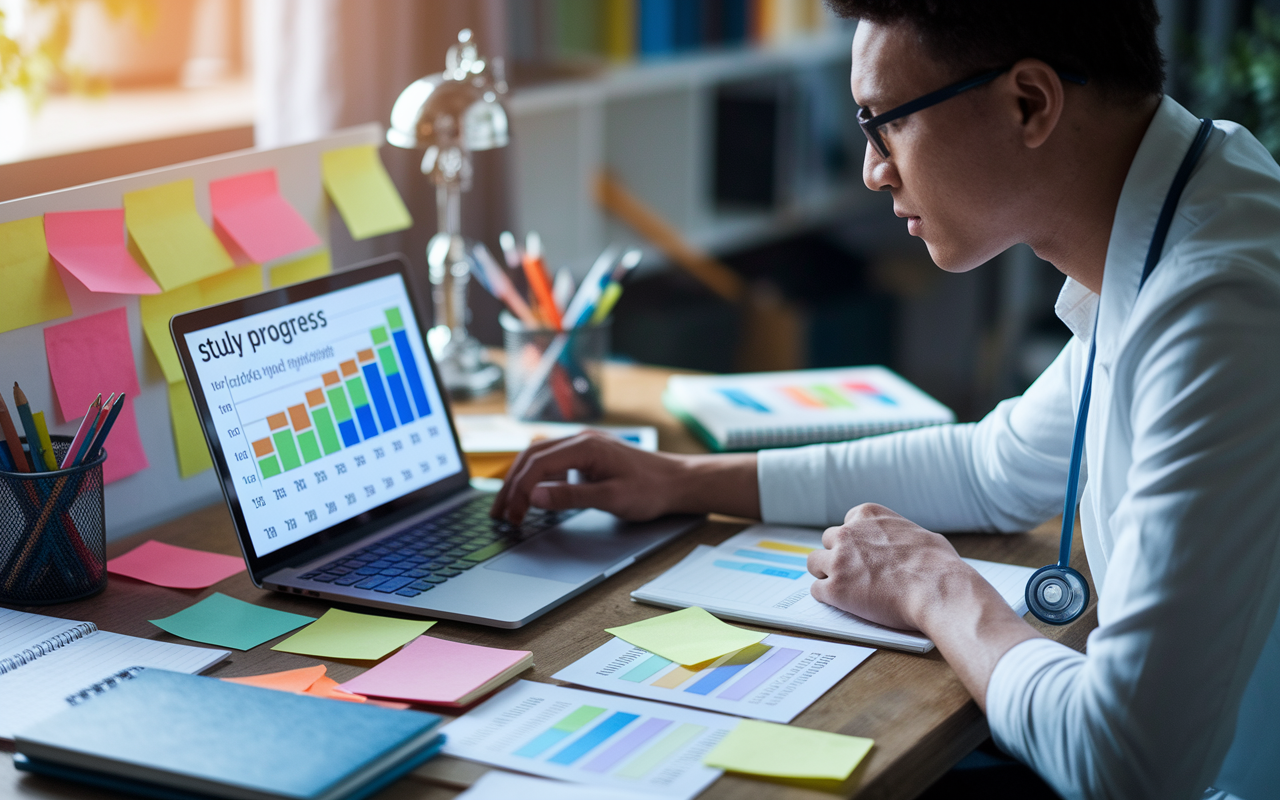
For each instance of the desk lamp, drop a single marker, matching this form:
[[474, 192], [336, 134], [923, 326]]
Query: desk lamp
[[452, 114]]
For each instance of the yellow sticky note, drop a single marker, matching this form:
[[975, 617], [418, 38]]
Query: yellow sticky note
[[156, 309], [343, 634], [175, 243], [301, 269], [188, 438], [688, 636], [33, 291], [785, 751], [232, 284], [363, 192]]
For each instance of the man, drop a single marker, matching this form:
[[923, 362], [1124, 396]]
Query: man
[[1063, 141]]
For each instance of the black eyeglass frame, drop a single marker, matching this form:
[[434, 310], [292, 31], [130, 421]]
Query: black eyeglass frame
[[871, 125]]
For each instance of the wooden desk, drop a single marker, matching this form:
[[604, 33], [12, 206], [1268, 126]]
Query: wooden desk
[[914, 707]]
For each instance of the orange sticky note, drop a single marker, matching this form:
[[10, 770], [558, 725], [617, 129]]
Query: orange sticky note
[[250, 211], [173, 566], [33, 292], [291, 680], [90, 245], [328, 687]]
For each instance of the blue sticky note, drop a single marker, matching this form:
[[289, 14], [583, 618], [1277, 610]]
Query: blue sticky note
[[227, 622]]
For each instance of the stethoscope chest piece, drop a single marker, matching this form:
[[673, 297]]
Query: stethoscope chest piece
[[1057, 595]]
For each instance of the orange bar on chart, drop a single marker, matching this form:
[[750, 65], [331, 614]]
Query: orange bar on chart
[[801, 397], [277, 421], [315, 397], [365, 355], [349, 368], [331, 378], [263, 447]]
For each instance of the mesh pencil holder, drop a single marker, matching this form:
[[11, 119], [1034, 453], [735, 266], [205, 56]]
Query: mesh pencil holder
[[53, 542]]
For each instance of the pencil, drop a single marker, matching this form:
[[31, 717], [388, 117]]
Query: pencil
[[46, 444], [536, 271], [101, 438], [101, 417], [86, 425], [11, 438], [29, 428]]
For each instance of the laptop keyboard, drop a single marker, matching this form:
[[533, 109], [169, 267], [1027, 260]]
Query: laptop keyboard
[[426, 555]]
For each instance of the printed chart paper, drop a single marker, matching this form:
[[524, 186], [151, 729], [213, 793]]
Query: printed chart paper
[[774, 680], [499, 785], [761, 576], [585, 737]]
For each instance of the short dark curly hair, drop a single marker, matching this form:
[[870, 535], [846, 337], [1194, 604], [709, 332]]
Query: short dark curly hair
[[1112, 42]]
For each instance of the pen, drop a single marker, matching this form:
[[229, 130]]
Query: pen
[[539, 283], [29, 428], [595, 281], [562, 289], [509, 250], [590, 314], [502, 288], [11, 438], [6, 460], [86, 425], [83, 452], [46, 444]]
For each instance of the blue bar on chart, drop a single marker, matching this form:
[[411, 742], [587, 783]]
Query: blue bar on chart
[[779, 658], [645, 669], [627, 745], [593, 738], [407, 362], [777, 558], [391, 371], [761, 569], [359, 400], [377, 392], [717, 677], [557, 733]]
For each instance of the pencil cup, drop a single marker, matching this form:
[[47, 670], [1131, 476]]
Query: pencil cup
[[555, 376], [53, 540]]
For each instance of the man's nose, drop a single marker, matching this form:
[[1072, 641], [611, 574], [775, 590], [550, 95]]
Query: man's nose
[[878, 173]]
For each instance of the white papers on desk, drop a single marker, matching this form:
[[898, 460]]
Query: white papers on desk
[[774, 680], [498, 785], [760, 576]]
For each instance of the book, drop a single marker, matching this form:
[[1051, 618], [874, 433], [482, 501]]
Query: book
[[784, 409], [761, 576], [48, 664], [441, 672], [168, 734]]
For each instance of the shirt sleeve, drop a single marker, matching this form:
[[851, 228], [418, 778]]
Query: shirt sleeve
[[1007, 472], [1193, 581]]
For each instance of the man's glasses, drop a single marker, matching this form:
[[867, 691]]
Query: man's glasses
[[871, 125]]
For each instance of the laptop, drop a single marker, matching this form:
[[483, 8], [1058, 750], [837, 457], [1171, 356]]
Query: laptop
[[338, 458]]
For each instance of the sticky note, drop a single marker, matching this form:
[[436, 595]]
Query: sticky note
[[188, 437], [251, 212], [175, 567], [301, 269], [178, 247], [33, 292], [430, 670], [156, 312], [227, 622], [90, 245], [290, 680], [688, 636], [344, 634], [328, 687], [232, 285], [90, 356], [786, 751], [363, 192]]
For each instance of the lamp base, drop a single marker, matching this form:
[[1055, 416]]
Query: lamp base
[[465, 368]]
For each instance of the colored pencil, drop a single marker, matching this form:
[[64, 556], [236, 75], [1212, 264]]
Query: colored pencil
[[86, 425], [11, 439], [535, 270], [101, 417], [28, 427], [46, 444], [101, 438]]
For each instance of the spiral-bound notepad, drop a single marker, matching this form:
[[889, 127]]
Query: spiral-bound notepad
[[47, 664], [783, 409]]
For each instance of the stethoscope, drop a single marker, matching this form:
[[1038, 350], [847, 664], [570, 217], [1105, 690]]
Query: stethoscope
[[1057, 594]]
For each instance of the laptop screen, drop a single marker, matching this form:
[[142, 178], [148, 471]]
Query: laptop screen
[[324, 408]]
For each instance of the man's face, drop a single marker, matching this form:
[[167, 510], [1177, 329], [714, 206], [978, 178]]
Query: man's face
[[949, 167]]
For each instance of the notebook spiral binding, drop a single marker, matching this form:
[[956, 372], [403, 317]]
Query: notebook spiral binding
[[110, 682], [46, 647]]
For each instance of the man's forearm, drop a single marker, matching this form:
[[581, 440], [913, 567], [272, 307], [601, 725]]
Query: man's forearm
[[722, 484]]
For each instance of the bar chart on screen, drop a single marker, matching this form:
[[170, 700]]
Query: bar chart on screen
[[774, 680], [585, 737]]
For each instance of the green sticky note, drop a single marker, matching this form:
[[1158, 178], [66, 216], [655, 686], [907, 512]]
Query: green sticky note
[[227, 622], [188, 437], [688, 636], [363, 192], [785, 751], [301, 269], [363, 637], [175, 243], [33, 292]]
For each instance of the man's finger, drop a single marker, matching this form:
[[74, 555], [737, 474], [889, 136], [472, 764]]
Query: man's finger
[[831, 536], [550, 463], [818, 590], [819, 560], [500, 501], [561, 495]]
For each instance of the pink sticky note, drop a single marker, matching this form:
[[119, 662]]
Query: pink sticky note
[[125, 455], [435, 671], [90, 245], [250, 210], [173, 566]]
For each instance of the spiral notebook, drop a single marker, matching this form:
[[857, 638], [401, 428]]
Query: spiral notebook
[[48, 664], [783, 409]]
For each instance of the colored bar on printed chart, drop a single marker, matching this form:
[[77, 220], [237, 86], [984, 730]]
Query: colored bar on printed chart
[[666, 747], [871, 391], [680, 674], [392, 372], [830, 397], [341, 409], [785, 547], [377, 392], [627, 745], [283, 437], [741, 398], [777, 558], [801, 397], [557, 733], [323, 421], [645, 669], [737, 662], [593, 738], [779, 658], [407, 362], [265, 452], [760, 569], [306, 434], [359, 400]]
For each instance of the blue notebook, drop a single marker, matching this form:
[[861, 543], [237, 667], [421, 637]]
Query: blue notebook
[[166, 734]]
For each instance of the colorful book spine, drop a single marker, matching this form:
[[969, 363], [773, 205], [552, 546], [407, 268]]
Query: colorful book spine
[[618, 30]]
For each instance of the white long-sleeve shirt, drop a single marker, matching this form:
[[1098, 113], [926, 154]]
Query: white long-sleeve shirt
[[1181, 503]]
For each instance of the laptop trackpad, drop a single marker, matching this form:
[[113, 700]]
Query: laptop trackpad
[[579, 549]]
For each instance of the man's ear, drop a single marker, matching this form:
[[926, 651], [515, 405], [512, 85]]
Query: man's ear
[[1039, 95]]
